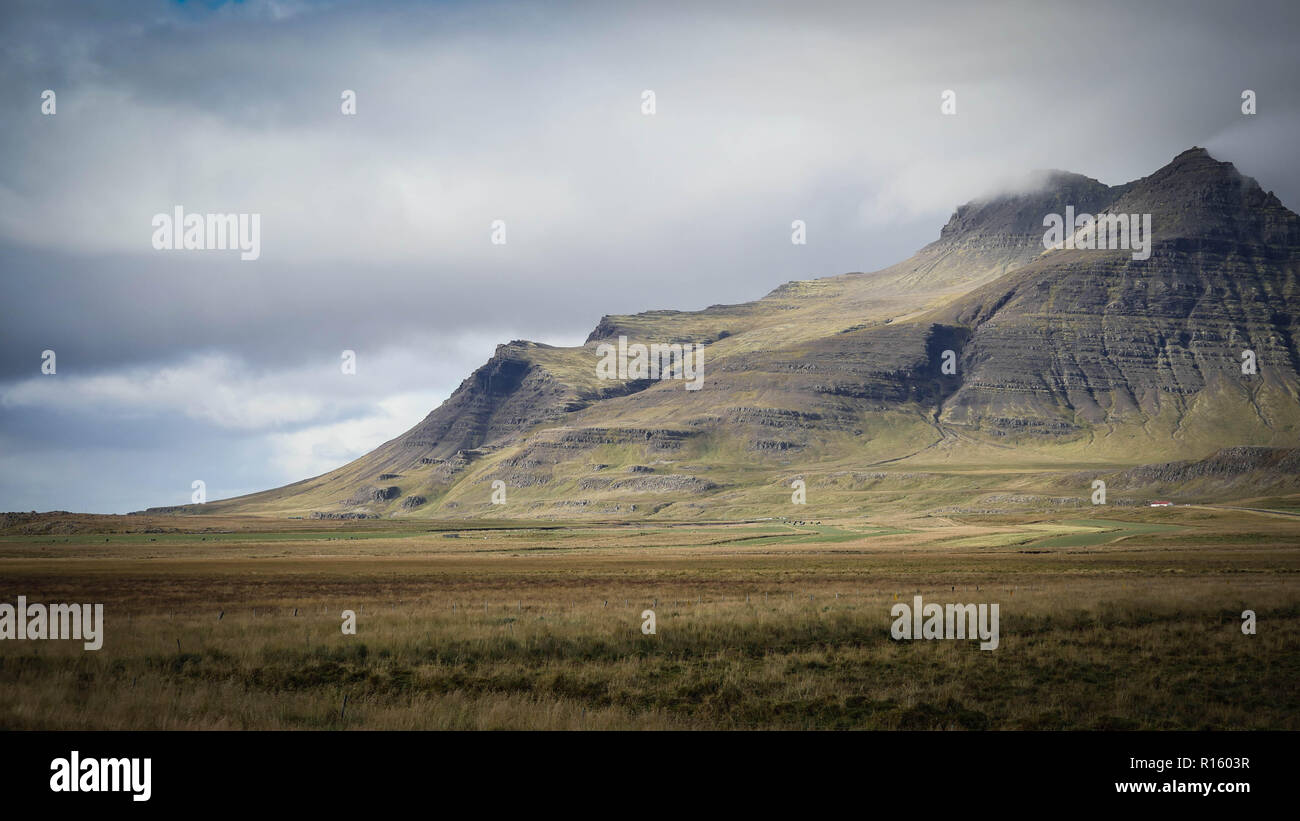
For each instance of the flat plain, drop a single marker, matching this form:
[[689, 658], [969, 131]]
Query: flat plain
[[1128, 618]]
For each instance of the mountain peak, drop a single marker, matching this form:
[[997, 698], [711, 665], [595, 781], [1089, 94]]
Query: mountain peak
[[1197, 162], [1018, 211], [1195, 195]]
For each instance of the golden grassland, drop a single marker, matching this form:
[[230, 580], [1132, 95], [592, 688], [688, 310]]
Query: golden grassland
[[1125, 620]]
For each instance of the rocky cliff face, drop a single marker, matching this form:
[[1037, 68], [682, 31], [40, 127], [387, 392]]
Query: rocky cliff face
[[1079, 339], [987, 238], [508, 394], [1059, 354], [1230, 473]]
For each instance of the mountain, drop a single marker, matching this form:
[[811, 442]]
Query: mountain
[[1064, 358]]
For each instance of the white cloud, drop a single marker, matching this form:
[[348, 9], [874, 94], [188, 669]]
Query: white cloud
[[211, 388], [228, 393], [321, 448]]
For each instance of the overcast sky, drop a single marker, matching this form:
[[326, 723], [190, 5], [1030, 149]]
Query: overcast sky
[[376, 228]]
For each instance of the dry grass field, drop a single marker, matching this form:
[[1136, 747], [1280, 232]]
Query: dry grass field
[[1128, 620]]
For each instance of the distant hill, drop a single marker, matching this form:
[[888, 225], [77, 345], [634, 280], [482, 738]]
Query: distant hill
[[1226, 474]]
